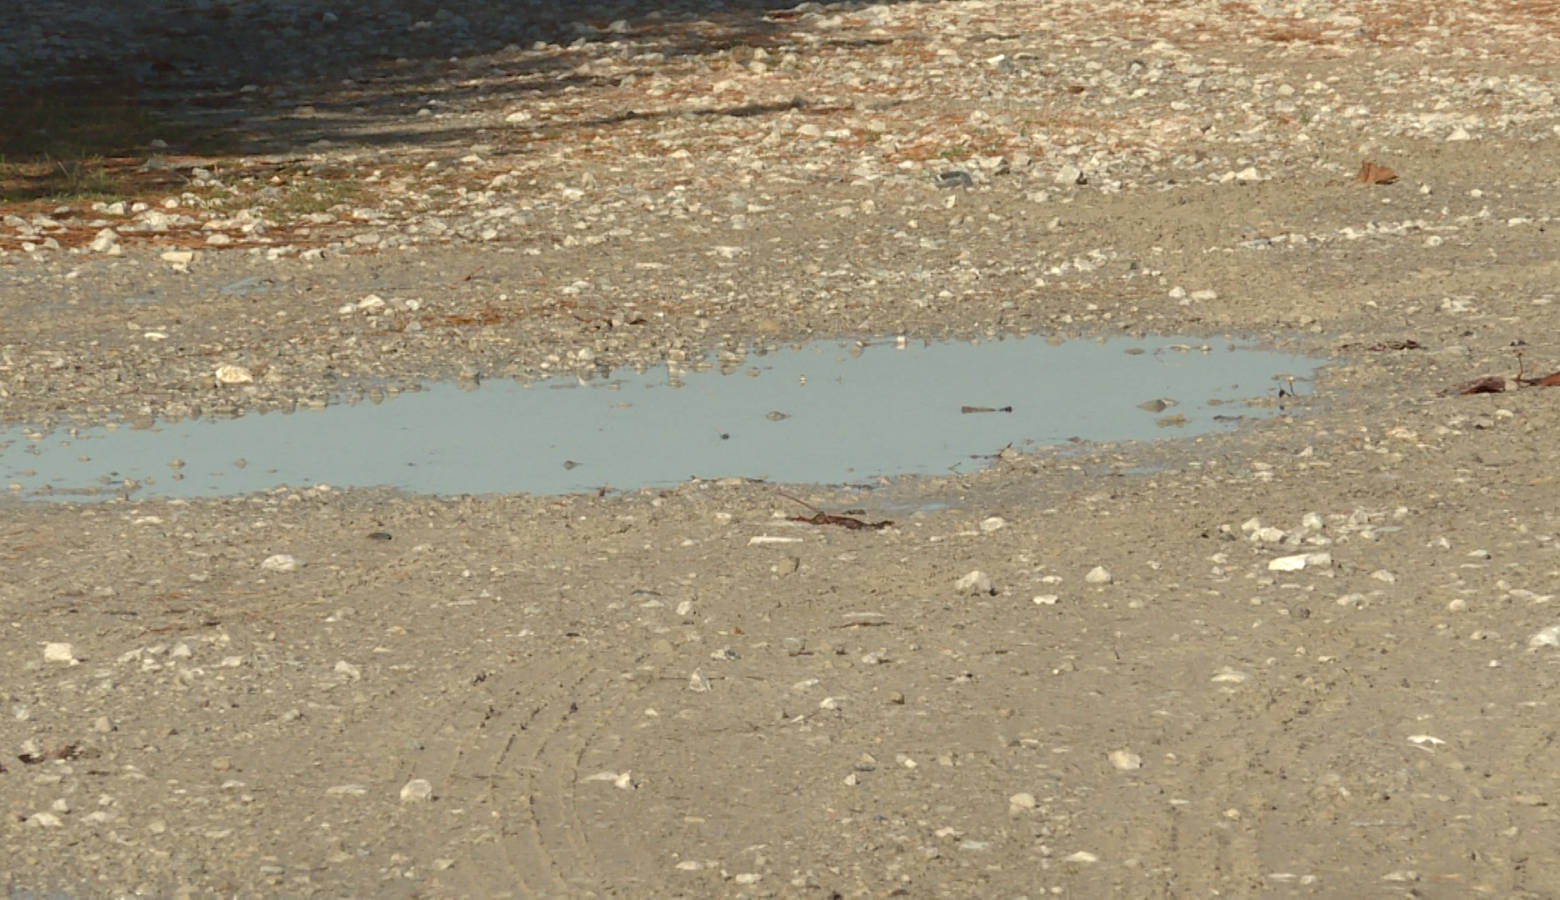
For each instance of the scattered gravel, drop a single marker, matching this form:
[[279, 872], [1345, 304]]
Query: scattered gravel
[[1322, 661]]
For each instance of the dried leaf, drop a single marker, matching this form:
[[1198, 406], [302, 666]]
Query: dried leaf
[[1550, 380], [967, 410], [1489, 384], [850, 522], [1370, 173]]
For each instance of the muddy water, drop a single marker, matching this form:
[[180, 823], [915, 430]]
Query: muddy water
[[827, 412]]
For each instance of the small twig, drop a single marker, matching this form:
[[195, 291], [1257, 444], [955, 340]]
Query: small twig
[[850, 522], [819, 517], [799, 500]]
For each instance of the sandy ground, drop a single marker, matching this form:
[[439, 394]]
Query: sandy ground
[[685, 692]]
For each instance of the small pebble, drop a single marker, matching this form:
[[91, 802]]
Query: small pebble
[[974, 583], [60, 653], [234, 375], [418, 790], [1545, 637], [1299, 561], [280, 562], [1099, 575]]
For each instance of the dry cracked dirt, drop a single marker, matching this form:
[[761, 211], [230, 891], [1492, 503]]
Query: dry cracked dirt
[[1307, 656]]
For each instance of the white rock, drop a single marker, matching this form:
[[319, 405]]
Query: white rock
[[1082, 856], [994, 523], [230, 374], [974, 583], [698, 683], [1545, 637], [106, 240], [1069, 174], [622, 781], [1268, 535], [280, 562], [345, 668], [1046, 599], [1099, 575], [1228, 675], [178, 257], [1022, 802], [1459, 134], [1299, 561], [418, 790], [59, 653], [1125, 760], [43, 820]]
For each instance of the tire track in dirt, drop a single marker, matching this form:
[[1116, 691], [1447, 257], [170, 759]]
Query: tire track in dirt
[[516, 760]]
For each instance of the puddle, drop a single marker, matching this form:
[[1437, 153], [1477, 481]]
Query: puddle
[[825, 413]]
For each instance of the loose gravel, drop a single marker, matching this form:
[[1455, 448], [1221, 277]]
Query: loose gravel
[[1309, 658]]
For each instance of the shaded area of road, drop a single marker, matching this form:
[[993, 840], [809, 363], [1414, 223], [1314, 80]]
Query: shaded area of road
[[101, 87]]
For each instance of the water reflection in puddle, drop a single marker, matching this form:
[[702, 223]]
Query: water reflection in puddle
[[825, 413]]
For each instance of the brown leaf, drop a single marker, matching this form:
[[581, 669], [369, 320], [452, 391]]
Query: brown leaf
[[1550, 380], [1370, 173], [1489, 384], [850, 522]]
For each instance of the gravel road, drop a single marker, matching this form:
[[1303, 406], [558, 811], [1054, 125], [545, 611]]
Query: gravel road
[[1306, 657]]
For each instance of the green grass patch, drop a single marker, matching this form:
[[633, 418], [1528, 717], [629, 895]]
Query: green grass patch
[[311, 196], [87, 142]]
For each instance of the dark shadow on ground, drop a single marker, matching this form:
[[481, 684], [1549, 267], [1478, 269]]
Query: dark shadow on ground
[[100, 86]]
